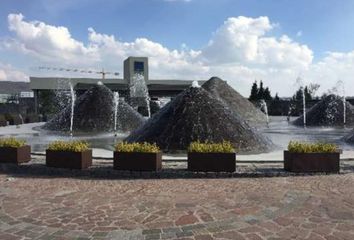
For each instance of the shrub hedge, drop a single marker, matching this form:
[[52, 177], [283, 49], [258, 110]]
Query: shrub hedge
[[137, 147], [206, 147], [300, 147], [72, 146], [12, 142]]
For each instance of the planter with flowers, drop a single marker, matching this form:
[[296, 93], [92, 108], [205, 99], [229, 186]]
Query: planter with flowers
[[311, 157], [211, 157], [137, 157], [14, 151], [69, 154]]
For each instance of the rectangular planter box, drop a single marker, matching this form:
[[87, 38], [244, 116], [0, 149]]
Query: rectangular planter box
[[67, 159], [15, 155], [211, 162], [311, 162], [137, 161]]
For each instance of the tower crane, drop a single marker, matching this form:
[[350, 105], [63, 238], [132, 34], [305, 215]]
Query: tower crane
[[75, 70]]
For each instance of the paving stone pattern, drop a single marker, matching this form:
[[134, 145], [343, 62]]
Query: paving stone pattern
[[35, 206]]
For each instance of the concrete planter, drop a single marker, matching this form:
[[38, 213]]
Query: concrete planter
[[137, 161], [15, 155], [68, 159], [311, 162], [211, 162]]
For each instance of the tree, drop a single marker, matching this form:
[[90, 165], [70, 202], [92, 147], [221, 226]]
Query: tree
[[266, 95], [297, 99], [47, 102], [260, 94], [254, 92], [276, 98], [308, 95]]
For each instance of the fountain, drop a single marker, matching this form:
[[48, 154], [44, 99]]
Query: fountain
[[138, 90], [193, 115], [304, 106], [300, 83], [93, 112], [116, 104], [213, 115], [328, 112], [264, 107], [195, 84], [62, 96], [73, 98], [341, 92], [332, 110], [21, 118], [344, 111], [235, 101]]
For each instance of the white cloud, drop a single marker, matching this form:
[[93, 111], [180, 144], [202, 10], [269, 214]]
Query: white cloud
[[46, 42], [241, 50], [332, 68], [9, 73], [242, 40]]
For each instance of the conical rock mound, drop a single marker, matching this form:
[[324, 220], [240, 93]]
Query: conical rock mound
[[235, 101], [328, 112], [94, 111], [196, 115]]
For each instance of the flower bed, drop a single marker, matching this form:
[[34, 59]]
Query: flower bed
[[72, 155], [211, 157], [14, 151], [137, 157], [306, 157]]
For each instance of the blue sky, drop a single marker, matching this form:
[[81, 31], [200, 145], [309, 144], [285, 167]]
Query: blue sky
[[322, 26], [175, 22]]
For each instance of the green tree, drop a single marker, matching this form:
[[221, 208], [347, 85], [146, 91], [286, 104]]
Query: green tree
[[47, 102], [276, 97], [260, 94], [267, 95], [308, 95], [297, 99], [254, 92]]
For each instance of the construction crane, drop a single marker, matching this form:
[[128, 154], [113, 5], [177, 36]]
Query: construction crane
[[62, 69]]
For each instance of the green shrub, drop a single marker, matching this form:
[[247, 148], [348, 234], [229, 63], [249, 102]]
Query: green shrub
[[72, 146], [13, 119], [3, 121], [137, 147], [299, 147], [31, 118], [224, 147], [12, 142]]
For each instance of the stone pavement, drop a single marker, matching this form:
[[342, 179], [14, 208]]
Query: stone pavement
[[35, 205]]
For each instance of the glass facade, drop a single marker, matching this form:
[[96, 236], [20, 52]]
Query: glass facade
[[139, 67]]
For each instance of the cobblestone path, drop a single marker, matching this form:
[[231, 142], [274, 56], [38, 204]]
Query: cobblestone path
[[306, 207]]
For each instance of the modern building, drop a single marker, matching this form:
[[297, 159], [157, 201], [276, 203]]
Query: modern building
[[132, 66], [16, 98], [13, 91]]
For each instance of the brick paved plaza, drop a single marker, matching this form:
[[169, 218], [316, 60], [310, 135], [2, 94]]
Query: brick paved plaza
[[303, 207]]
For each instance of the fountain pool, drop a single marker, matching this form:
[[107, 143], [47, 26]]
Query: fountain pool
[[279, 131]]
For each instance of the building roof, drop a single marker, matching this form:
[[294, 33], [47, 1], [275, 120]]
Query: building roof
[[41, 83], [9, 87]]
